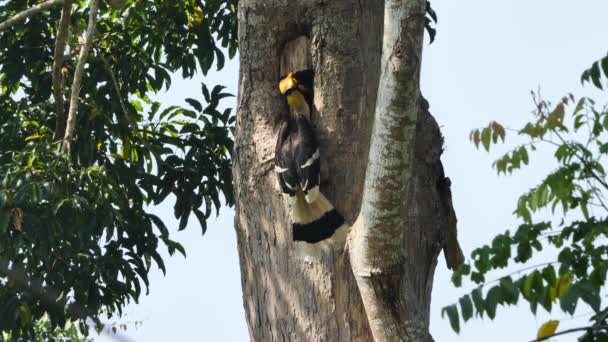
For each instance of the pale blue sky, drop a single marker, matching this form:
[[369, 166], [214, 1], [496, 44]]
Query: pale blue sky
[[487, 57]]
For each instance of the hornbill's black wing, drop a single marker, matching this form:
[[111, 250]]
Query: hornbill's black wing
[[307, 159], [284, 165]]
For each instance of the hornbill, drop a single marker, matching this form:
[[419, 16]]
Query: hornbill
[[298, 165]]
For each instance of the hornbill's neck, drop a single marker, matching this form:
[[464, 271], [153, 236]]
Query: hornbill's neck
[[298, 105]]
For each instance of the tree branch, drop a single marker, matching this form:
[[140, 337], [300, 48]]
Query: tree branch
[[78, 73], [121, 101], [28, 13], [375, 238], [115, 85], [58, 80], [569, 331], [392, 143]]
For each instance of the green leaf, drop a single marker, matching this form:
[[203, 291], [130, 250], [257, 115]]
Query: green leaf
[[206, 93], [478, 301], [220, 59], [137, 105], [159, 261], [183, 222], [475, 137], [510, 292], [524, 155], [486, 137], [565, 282], [569, 299], [195, 104], [466, 307], [159, 224], [590, 295], [549, 275], [177, 246], [492, 301], [595, 75], [545, 298], [202, 220], [452, 312], [605, 65]]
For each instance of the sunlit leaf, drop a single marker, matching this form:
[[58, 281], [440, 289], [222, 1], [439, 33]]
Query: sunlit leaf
[[547, 329]]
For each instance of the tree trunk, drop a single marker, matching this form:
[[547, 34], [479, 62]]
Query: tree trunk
[[294, 299]]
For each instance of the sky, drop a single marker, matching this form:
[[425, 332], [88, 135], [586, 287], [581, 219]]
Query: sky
[[487, 57]]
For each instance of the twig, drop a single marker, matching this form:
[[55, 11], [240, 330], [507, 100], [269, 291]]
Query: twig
[[58, 80], [599, 195], [519, 271], [582, 160], [569, 331], [121, 101], [28, 13], [82, 59], [115, 84]]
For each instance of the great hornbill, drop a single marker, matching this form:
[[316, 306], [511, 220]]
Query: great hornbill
[[298, 164]]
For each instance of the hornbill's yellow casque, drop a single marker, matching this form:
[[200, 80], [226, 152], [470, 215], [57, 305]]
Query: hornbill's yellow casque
[[298, 165]]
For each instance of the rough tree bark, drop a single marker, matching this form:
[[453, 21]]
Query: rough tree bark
[[290, 299]]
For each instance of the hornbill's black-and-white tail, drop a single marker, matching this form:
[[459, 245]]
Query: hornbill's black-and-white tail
[[298, 165]]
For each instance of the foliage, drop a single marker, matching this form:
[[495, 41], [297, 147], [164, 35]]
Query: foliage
[[44, 331], [575, 193], [76, 238], [594, 73]]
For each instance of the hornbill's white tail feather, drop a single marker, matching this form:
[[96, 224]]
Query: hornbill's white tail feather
[[312, 194], [317, 226], [316, 221]]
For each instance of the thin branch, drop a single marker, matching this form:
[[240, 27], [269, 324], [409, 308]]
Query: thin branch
[[569, 331], [374, 241], [115, 84], [517, 272], [582, 160], [28, 13], [58, 80], [123, 106], [537, 266], [78, 73], [599, 195]]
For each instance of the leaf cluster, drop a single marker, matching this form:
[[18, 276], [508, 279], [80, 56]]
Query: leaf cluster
[[577, 130], [44, 332], [76, 234]]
